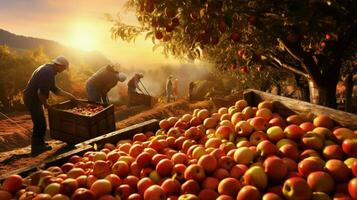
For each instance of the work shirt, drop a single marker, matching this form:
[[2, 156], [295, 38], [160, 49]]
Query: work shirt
[[103, 80], [133, 84], [42, 81]]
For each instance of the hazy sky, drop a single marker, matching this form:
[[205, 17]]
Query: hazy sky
[[77, 23]]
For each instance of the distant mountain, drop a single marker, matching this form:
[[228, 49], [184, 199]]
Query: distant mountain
[[91, 59]]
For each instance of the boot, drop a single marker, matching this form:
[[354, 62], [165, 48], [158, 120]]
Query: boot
[[38, 148]]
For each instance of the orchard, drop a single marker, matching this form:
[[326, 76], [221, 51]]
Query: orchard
[[255, 40], [240, 152]]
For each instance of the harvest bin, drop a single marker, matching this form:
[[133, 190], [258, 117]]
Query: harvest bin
[[74, 128]]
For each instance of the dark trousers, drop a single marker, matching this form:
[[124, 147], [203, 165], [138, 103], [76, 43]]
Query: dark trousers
[[39, 122]]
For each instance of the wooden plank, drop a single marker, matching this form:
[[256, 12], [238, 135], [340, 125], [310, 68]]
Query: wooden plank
[[125, 133], [57, 160], [287, 106]]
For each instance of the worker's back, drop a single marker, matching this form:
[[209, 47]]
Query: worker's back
[[104, 79]]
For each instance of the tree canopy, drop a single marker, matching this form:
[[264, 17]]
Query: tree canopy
[[307, 37]]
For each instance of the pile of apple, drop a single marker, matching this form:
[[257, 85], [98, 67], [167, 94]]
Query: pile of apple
[[241, 152], [86, 110]]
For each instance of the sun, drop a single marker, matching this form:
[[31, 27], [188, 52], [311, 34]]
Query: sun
[[83, 36]]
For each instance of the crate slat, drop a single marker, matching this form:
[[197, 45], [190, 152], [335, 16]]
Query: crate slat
[[288, 106]]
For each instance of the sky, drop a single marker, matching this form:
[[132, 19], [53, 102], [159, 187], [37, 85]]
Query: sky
[[80, 24]]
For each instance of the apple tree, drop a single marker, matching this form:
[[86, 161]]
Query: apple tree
[[310, 38]]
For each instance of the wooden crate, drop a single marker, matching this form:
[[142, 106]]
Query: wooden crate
[[287, 106], [73, 128], [81, 148], [140, 99]]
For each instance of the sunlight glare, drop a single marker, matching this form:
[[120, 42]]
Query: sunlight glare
[[83, 36]]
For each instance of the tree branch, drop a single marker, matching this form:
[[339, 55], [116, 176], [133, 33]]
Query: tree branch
[[307, 62], [288, 67]]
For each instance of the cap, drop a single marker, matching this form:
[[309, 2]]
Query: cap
[[141, 75], [121, 76], [61, 60], [170, 76]]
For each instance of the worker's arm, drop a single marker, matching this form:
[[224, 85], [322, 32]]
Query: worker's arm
[[43, 99], [105, 98]]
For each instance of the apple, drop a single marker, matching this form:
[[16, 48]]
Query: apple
[[341, 196], [320, 181], [114, 179], [210, 183], [271, 196], [208, 163], [354, 167], [256, 137], [42, 196], [295, 119], [333, 152], [60, 197], [123, 191], [343, 133], [155, 176], [275, 168], [238, 170], [243, 155], [289, 151], [248, 192], [309, 153], [285, 141], [296, 188], [101, 187], [277, 121], [134, 196], [100, 156], [55, 170], [293, 132], [157, 158], [190, 187], [198, 152], [178, 171], [275, 133], [307, 126], [236, 118], [188, 197], [256, 177], [120, 168], [229, 186], [144, 159], [143, 184], [243, 128], [12, 183], [309, 165], [195, 172], [264, 113], [352, 188], [83, 194], [312, 140], [223, 132], [225, 162], [100, 169], [171, 187], [248, 112], [349, 146], [258, 123], [338, 170], [323, 121], [221, 173], [68, 186], [208, 194], [320, 196], [241, 104], [154, 192], [227, 146], [131, 180], [266, 148], [52, 189], [164, 167]]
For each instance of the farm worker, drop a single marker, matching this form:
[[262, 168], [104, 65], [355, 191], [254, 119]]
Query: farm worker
[[35, 97], [101, 82], [133, 83], [169, 89], [175, 89]]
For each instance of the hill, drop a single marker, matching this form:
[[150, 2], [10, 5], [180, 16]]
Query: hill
[[52, 49]]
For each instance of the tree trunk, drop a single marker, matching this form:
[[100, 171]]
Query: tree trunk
[[323, 94], [303, 87], [348, 93]]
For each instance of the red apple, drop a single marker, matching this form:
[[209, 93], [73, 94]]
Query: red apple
[[349, 146], [83, 194], [188, 197], [120, 168], [333, 151], [208, 162], [293, 132], [320, 181], [309, 165], [266, 148], [243, 128], [354, 168], [210, 183], [195, 172], [190, 187], [123, 191], [289, 151], [343, 133], [271, 196], [208, 194], [352, 188], [248, 192], [171, 187], [154, 192], [164, 167], [323, 121], [338, 170], [258, 123], [275, 168], [296, 189], [229, 186], [275, 133], [12, 183], [101, 187], [312, 140]]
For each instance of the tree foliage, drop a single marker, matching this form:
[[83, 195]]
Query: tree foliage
[[307, 37]]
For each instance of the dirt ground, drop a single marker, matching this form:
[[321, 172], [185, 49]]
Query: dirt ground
[[15, 140]]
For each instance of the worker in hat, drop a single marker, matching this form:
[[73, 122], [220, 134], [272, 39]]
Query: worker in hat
[[35, 97], [133, 86], [175, 89], [169, 87], [101, 82]]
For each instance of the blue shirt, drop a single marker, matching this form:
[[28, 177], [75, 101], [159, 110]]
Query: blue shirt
[[42, 81]]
